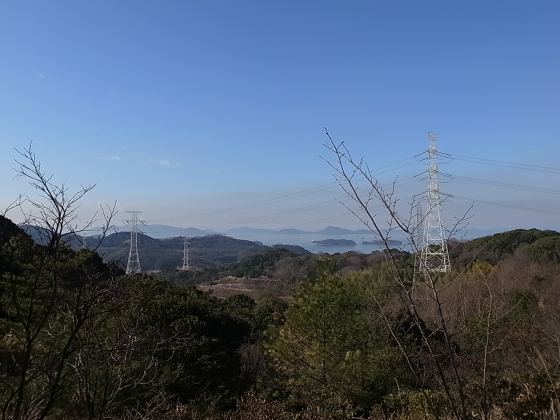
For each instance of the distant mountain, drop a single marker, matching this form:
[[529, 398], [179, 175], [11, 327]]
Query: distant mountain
[[248, 231], [160, 254], [363, 232], [292, 232], [330, 230], [39, 234], [166, 231], [333, 230], [123, 238]]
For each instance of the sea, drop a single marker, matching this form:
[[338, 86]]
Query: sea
[[305, 241]]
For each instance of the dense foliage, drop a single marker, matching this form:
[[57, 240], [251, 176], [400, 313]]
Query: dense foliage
[[79, 339], [495, 247]]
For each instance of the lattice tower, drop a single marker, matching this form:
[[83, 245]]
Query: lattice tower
[[434, 255], [133, 265], [186, 253], [418, 239], [418, 230]]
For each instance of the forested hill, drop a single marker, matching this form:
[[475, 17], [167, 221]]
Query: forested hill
[[162, 254], [214, 254], [358, 336], [543, 245], [277, 271]]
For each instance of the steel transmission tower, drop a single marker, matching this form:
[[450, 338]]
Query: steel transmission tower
[[186, 254], [418, 229], [434, 255], [133, 265]]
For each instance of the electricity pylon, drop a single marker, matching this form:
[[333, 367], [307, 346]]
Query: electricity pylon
[[133, 265], [185, 253], [434, 255]]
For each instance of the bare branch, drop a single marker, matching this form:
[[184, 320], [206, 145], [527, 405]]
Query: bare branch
[[347, 172]]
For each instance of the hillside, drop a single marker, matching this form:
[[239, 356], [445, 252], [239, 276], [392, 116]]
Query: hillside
[[275, 271], [489, 329], [278, 271], [162, 254], [494, 248]]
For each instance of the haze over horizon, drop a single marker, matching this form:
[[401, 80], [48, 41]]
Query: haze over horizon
[[211, 114]]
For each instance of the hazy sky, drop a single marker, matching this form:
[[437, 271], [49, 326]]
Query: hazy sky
[[210, 113]]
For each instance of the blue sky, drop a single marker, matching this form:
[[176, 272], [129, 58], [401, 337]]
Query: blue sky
[[210, 113]]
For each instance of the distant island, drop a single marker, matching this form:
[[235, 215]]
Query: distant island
[[329, 230], [389, 242], [334, 242]]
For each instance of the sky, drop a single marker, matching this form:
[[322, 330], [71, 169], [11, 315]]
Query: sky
[[212, 114]]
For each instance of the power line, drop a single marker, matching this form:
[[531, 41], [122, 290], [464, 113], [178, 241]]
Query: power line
[[475, 200], [286, 212], [494, 162], [379, 171], [297, 194], [502, 184], [300, 209]]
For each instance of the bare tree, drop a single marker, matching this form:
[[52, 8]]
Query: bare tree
[[55, 212], [414, 289], [45, 312]]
